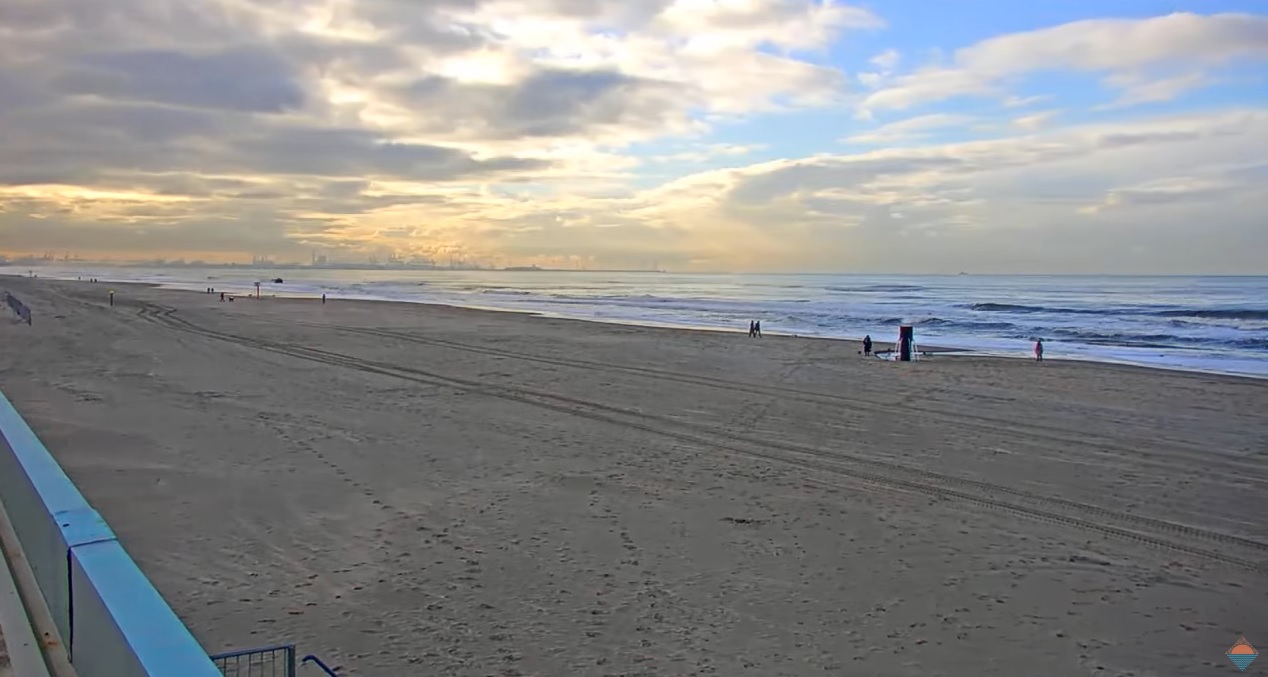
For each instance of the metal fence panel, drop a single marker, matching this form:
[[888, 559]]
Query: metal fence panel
[[269, 661]]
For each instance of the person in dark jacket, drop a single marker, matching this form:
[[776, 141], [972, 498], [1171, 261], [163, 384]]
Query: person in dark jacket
[[867, 344]]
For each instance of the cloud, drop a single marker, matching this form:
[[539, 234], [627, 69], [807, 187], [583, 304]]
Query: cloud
[[558, 131], [1132, 51], [708, 152], [910, 129], [1035, 121], [1136, 89], [245, 80], [271, 125], [886, 60], [1025, 203]]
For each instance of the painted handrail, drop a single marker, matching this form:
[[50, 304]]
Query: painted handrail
[[109, 616], [325, 668]]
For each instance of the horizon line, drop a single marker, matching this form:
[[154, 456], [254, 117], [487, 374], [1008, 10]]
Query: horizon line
[[664, 271]]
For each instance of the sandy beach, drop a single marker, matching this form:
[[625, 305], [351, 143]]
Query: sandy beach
[[422, 490], [6, 668]]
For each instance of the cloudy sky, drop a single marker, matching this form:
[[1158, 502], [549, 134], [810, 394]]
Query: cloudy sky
[[742, 135]]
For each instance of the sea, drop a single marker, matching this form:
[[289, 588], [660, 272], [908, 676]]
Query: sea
[[1210, 324]]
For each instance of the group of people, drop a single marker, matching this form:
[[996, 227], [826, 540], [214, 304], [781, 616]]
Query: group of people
[[755, 330], [212, 290]]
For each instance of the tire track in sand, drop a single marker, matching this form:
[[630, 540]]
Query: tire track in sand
[[881, 473], [980, 422]]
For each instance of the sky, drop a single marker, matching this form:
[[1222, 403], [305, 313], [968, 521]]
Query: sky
[[893, 136]]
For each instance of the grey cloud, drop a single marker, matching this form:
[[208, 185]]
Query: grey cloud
[[196, 186], [811, 176], [354, 152], [344, 189], [954, 165], [18, 94], [1252, 173], [1157, 197], [551, 102], [249, 79], [417, 17], [185, 91], [72, 26], [80, 142], [76, 142], [420, 23], [1125, 139], [209, 233]]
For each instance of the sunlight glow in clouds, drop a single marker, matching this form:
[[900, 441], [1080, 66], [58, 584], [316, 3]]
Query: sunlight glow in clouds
[[704, 134]]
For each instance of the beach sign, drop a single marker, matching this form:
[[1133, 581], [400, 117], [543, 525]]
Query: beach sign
[[1242, 654]]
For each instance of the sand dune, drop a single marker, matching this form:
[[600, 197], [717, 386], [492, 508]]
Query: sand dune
[[415, 490]]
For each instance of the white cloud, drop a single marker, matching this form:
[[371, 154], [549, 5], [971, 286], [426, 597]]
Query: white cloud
[[1023, 101], [1035, 121], [1138, 89], [1124, 48], [1004, 204], [887, 60], [910, 129], [708, 152]]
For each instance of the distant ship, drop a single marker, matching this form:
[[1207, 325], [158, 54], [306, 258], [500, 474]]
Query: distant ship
[[522, 268]]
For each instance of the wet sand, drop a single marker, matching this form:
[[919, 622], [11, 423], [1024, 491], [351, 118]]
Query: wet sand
[[420, 490]]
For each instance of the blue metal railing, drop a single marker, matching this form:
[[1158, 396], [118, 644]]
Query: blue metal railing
[[108, 615], [325, 668]]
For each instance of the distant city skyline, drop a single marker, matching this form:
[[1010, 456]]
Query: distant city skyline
[[316, 261], [911, 136]]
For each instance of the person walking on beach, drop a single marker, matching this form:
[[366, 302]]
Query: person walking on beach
[[323, 299], [867, 345], [757, 328], [1039, 350]]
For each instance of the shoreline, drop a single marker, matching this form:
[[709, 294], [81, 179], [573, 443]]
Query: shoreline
[[879, 346]]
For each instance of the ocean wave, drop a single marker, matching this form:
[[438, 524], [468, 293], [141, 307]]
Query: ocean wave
[[1197, 313], [1217, 313], [963, 324], [875, 288], [1019, 308], [1156, 340]]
